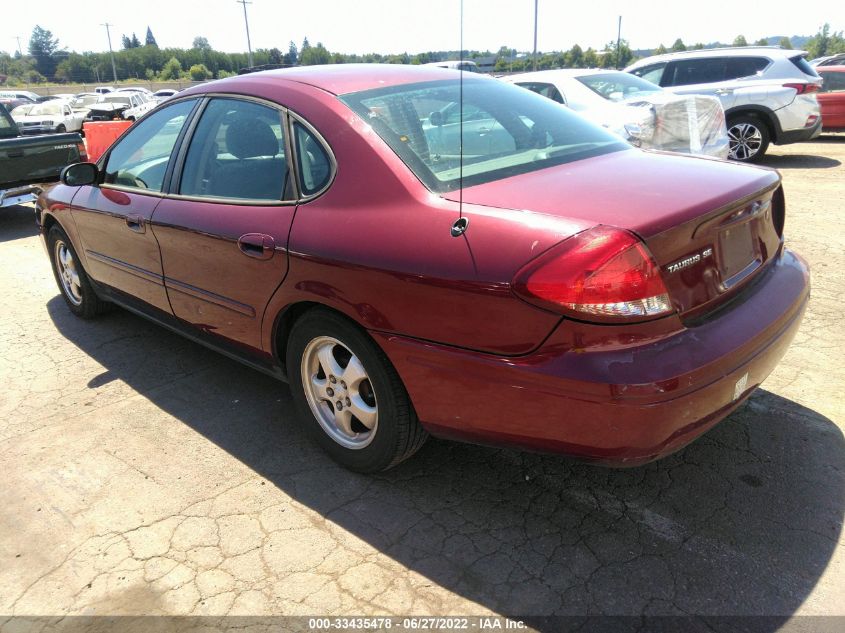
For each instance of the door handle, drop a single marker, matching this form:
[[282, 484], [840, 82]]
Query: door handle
[[257, 245], [136, 223]]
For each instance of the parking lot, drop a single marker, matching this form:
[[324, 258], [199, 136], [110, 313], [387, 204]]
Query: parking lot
[[143, 474]]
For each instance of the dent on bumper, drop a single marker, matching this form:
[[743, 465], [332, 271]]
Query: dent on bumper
[[620, 405]]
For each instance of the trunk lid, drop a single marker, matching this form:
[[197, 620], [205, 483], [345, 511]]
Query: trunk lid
[[711, 225]]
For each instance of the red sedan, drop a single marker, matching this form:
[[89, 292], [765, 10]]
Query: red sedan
[[832, 98], [417, 253]]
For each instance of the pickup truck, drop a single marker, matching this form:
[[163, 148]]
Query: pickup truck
[[28, 162]]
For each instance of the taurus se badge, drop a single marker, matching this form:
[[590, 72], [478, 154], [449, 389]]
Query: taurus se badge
[[689, 261]]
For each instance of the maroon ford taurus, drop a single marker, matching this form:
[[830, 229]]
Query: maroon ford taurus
[[419, 256]]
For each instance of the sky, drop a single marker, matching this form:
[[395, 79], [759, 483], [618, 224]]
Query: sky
[[397, 26]]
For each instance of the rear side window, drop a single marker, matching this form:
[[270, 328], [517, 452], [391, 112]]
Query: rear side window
[[833, 82], [237, 152], [745, 67], [313, 162], [547, 90], [803, 65]]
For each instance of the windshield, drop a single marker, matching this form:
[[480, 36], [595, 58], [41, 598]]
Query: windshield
[[49, 107], [619, 86], [506, 130], [22, 110], [115, 98]]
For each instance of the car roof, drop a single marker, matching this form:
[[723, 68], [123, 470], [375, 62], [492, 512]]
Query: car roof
[[561, 72], [341, 79], [773, 52]]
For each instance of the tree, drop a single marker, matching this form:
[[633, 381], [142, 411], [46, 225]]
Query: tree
[[679, 45], [292, 56], [150, 40], [44, 48], [740, 40], [785, 42], [660, 50], [127, 43], [825, 43], [313, 55], [172, 70], [763, 41], [574, 57], [201, 43], [305, 46], [275, 56], [616, 57], [136, 43], [199, 72]]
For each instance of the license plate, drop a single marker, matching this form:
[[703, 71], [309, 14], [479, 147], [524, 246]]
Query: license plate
[[736, 250]]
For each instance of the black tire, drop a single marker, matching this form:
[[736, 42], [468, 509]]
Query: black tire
[[78, 295], [61, 129], [397, 433], [749, 138]]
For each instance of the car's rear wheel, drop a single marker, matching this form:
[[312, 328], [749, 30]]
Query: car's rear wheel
[[748, 138], [355, 405], [71, 277]]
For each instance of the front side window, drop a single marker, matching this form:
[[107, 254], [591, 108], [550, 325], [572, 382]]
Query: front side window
[[833, 82], [140, 159], [652, 73], [237, 152], [513, 131]]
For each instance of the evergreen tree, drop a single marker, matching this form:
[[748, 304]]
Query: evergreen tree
[[136, 43], [292, 56], [740, 41], [679, 45], [43, 47], [150, 41]]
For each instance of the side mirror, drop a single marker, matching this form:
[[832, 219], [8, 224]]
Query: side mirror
[[79, 174]]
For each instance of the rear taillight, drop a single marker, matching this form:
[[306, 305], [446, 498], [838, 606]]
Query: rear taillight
[[802, 89], [83, 152], [603, 273]]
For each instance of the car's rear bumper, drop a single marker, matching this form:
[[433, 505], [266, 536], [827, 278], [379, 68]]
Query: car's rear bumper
[[617, 403], [803, 134]]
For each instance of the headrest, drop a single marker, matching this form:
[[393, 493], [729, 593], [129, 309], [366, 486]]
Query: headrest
[[248, 138]]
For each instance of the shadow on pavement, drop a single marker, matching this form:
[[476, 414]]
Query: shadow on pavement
[[17, 222], [798, 161], [742, 522]]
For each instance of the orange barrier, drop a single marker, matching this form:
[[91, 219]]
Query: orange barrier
[[99, 135]]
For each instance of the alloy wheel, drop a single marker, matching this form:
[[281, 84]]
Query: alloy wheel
[[339, 392], [68, 273], [745, 141]]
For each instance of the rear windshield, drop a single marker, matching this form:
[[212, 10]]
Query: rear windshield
[[501, 130], [619, 86], [804, 66]]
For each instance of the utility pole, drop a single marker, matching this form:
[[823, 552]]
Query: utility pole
[[111, 52], [535, 34], [18, 38], [246, 22], [618, 42]]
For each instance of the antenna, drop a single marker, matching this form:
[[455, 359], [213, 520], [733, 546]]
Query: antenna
[[246, 22], [459, 227]]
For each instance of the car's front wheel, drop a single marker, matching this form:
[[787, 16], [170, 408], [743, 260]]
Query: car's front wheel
[[71, 277], [355, 405], [748, 138]]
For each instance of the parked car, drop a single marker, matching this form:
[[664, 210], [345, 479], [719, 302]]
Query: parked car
[[832, 98], [164, 94], [102, 90], [829, 60], [50, 117], [466, 65], [64, 96], [11, 99], [119, 105], [768, 93], [27, 163], [639, 111], [552, 292]]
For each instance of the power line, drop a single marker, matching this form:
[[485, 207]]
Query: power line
[[111, 52], [246, 22]]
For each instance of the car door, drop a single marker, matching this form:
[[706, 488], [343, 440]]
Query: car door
[[223, 231], [112, 218]]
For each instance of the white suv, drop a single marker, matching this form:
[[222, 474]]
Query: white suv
[[768, 92]]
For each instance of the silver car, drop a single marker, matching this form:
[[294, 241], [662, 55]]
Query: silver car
[[768, 93]]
